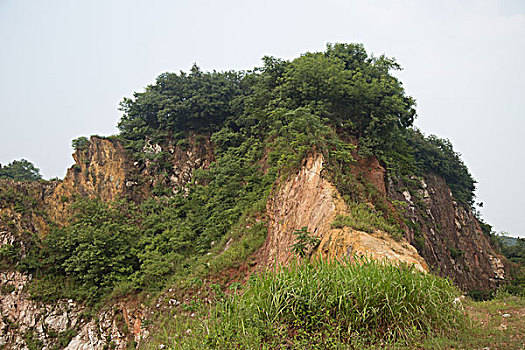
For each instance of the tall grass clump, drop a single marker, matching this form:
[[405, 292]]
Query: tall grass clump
[[331, 304]]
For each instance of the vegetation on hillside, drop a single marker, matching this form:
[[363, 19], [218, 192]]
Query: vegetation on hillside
[[514, 250], [342, 103], [342, 90], [262, 123]]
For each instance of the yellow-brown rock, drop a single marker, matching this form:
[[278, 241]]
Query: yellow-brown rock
[[100, 170], [306, 199]]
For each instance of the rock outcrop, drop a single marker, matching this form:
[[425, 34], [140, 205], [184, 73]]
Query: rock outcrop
[[101, 170], [449, 236], [26, 323], [307, 199]]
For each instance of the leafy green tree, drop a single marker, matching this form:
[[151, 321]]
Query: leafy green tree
[[20, 170], [355, 92], [80, 143], [95, 250], [304, 240], [178, 103]]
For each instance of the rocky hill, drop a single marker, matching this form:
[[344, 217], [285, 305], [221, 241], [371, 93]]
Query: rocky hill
[[215, 172]]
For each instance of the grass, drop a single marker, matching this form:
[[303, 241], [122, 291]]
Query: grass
[[364, 218], [488, 327], [319, 305]]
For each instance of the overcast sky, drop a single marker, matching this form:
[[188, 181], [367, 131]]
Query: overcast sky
[[66, 65]]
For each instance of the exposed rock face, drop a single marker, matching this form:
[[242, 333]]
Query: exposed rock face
[[101, 170], [454, 245], [196, 152], [447, 234], [26, 323], [104, 170], [309, 200], [22, 206]]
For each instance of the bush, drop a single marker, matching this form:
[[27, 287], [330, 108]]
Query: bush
[[95, 251], [304, 241]]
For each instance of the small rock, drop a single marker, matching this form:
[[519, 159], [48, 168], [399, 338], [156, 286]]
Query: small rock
[[162, 346], [506, 315]]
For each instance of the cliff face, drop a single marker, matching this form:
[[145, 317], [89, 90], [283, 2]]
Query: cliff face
[[309, 200], [22, 213], [449, 236], [101, 170], [30, 324], [104, 170]]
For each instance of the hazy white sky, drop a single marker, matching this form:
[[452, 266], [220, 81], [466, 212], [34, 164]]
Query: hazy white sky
[[65, 65]]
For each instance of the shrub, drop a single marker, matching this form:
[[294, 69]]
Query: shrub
[[304, 240]]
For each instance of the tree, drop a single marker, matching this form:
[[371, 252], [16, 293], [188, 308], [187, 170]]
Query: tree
[[178, 103], [80, 143], [20, 170]]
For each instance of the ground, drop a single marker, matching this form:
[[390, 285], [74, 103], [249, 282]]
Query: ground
[[495, 324]]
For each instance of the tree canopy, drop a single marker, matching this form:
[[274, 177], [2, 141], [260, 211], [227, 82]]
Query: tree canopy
[[344, 88], [353, 90], [178, 103], [20, 170]]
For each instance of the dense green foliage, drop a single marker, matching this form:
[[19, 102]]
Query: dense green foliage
[[20, 170], [296, 104], [179, 103], [432, 154], [514, 250], [355, 92], [95, 250], [326, 305]]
